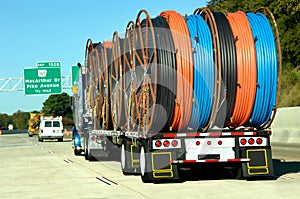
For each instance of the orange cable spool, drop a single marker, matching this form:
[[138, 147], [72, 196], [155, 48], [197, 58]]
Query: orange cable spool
[[246, 68], [184, 67]]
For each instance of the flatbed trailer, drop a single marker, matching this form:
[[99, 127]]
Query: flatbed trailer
[[159, 156]]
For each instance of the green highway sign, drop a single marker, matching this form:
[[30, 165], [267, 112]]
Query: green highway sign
[[75, 78], [42, 81], [49, 64]]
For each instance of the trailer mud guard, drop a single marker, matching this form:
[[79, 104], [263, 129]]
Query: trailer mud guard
[[260, 164], [156, 165]]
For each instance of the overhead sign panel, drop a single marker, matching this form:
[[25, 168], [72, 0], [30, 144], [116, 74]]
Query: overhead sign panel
[[48, 64], [75, 78], [42, 80]]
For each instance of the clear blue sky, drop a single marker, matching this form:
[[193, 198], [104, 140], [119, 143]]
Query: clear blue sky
[[57, 30]]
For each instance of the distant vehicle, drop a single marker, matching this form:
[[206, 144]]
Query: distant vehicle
[[51, 128], [10, 127], [33, 123]]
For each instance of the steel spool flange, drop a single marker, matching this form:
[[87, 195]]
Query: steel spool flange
[[145, 57], [207, 15]]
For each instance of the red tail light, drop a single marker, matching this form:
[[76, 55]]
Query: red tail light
[[259, 141], [208, 142], [158, 143], [243, 141], [99, 137], [174, 143], [198, 143], [220, 142], [251, 141], [166, 143], [93, 138]]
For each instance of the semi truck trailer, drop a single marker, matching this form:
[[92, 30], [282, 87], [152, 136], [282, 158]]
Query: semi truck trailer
[[176, 93]]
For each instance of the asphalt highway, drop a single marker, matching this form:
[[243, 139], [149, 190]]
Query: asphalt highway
[[32, 169]]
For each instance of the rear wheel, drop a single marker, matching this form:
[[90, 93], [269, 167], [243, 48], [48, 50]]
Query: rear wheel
[[77, 152], [238, 172], [126, 160], [146, 173]]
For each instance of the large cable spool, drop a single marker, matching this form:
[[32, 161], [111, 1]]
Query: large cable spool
[[118, 99], [105, 67], [166, 76], [246, 69], [145, 71], [209, 18], [227, 66], [93, 82], [276, 81], [203, 88], [184, 68], [128, 80]]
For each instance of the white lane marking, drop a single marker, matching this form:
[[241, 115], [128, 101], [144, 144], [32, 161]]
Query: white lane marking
[[286, 178], [68, 161], [51, 152], [107, 181]]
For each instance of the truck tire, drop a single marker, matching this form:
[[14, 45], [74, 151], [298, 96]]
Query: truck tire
[[77, 152], [145, 163], [86, 154], [127, 169], [238, 173], [60, 139]]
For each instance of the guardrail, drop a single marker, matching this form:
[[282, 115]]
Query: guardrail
[[286, 126], [18, 131]]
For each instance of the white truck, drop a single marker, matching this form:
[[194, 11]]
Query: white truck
[[51, 128]]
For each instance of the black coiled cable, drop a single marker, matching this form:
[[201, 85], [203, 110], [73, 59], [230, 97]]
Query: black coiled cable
[[228, 69], [166, 72]]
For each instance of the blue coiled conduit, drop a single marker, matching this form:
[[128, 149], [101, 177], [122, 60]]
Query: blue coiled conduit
[[266, 60], [203, 71]]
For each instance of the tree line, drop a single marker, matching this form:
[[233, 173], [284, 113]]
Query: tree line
[[55, 105], [287, 15]]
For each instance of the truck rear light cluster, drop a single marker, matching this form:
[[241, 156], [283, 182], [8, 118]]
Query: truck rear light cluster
[[166, 144], [198, 143], [99, 137], [251, 141], [93, 138]]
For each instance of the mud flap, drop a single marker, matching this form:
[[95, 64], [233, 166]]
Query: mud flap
[[157, 165], [260, 164], [161, 167]]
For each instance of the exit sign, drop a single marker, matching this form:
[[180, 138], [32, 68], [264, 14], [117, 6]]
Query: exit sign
[[49, 64], [42, 81], [75, 70]]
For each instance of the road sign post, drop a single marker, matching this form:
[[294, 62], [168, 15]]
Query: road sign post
[[42, 80]]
